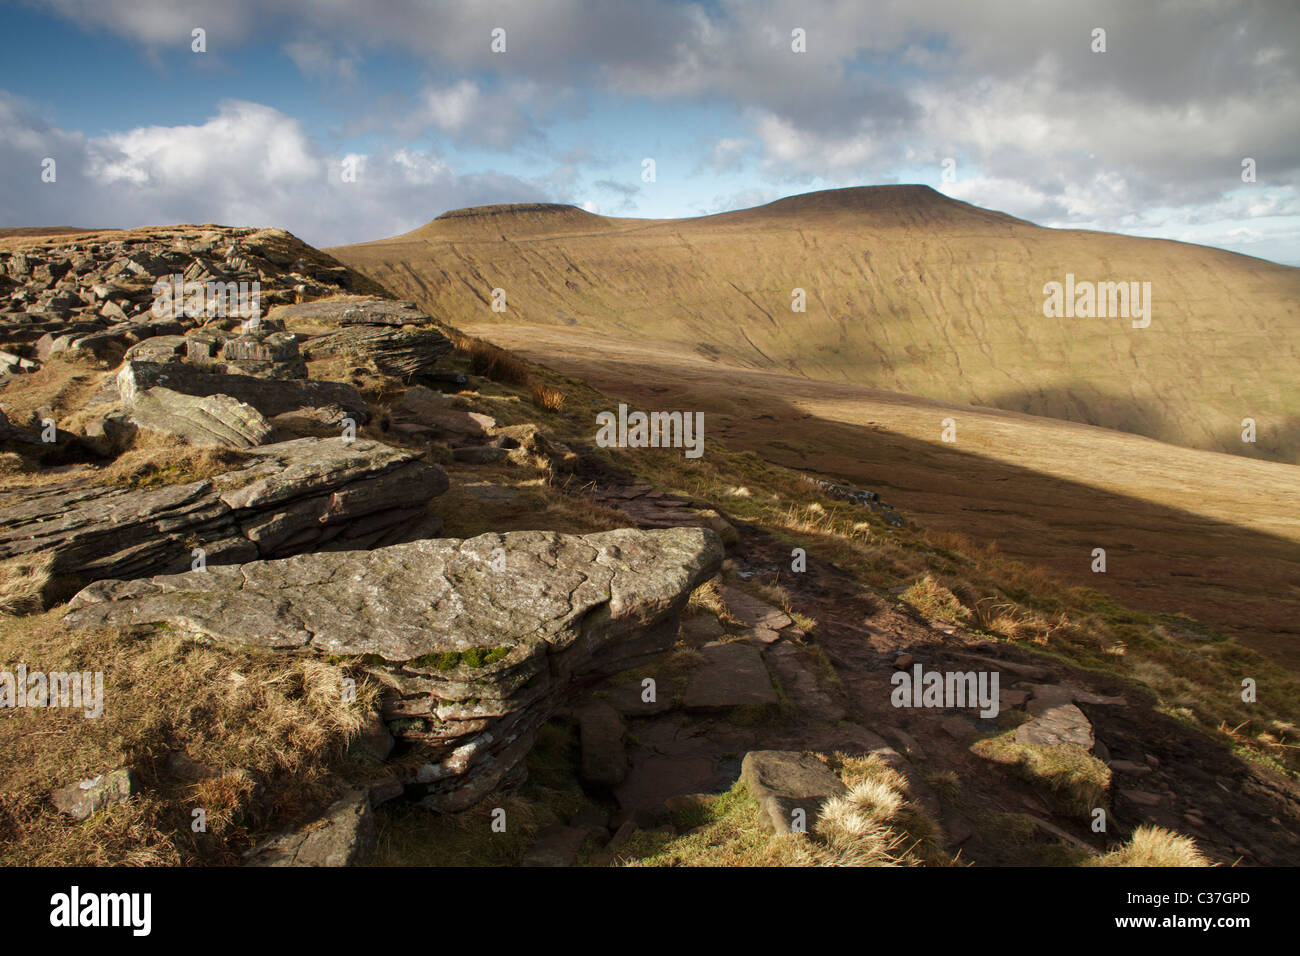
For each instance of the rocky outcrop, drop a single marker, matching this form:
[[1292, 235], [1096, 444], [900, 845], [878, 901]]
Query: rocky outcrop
[[290, 497], [399, 352], [89, 297], [479, 639], [358, 311]]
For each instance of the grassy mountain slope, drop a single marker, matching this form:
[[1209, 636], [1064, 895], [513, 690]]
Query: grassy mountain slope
[[906, 290]]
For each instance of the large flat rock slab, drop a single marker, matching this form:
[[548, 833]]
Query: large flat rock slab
[[732, 675], [785, 782], [752, 612], [481, 639]]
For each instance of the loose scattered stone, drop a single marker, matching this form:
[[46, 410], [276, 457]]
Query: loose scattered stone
[[85, 798]]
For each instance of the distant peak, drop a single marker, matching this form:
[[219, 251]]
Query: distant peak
[[513, 209]]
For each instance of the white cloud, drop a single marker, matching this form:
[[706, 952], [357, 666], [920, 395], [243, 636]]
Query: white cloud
[[247, 165]]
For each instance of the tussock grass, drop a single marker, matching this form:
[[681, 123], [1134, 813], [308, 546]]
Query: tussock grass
[[933, 600], [272, 729], [1154, 846], [874, 824], [23, 581], [548, 397], [492, 362]]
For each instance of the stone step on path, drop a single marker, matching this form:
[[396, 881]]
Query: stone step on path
[[804, 691], [556, 846], [648, 507], [1058, 720], [790, 788], [732, 675], [752, 612]]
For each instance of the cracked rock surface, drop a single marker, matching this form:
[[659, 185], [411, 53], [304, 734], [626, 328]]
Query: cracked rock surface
[[480, 639]]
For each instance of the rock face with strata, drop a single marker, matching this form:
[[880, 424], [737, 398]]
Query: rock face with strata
[[480, 639], [205, 420], [290, 497]]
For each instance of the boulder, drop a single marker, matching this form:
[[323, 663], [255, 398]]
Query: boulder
[[209, 420], [439, 412], [160, 348], [264, 353], [481, 640]]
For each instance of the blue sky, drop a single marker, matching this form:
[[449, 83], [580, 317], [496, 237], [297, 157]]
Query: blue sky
[[1146, 137]]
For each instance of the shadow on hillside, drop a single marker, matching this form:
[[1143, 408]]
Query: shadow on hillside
[[1274, 441], [1160, 559]]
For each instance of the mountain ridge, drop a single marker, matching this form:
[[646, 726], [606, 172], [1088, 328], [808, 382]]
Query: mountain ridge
[[905, 290]]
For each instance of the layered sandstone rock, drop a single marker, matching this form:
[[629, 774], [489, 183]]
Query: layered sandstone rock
[[479, 639], [290, 497]]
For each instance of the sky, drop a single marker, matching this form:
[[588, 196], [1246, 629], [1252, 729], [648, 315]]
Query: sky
[[349, 121]]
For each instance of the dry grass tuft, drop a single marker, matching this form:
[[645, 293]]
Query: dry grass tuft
[[493, 362], [23, 581], [272, 727], [1077, 780], [548, 397], [1155, 846], [155, 460], [934, 600]]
